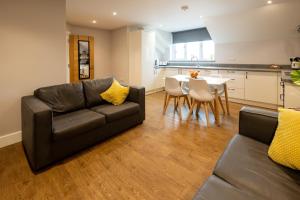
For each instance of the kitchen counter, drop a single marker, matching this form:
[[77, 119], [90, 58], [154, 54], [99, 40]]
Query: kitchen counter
[[236, 67]]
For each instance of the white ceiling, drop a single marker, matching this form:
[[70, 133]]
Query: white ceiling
[[223, 18]]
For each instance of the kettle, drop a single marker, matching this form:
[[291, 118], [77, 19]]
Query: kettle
[[295, 62]]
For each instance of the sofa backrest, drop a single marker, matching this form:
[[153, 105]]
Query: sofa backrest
[[62, 98], [93, 89]]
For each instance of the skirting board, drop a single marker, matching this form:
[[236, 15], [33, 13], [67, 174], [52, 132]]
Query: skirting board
[[154, 91], [11, 138]]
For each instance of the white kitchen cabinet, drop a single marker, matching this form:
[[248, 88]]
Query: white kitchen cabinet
[[207, 72], [171, 72], [159, 80], [236, 84], [141, 60], [261, 87], [279, 90], [291, 96], [185, 71]]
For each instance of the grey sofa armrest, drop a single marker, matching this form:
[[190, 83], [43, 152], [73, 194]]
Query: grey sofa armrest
[[258, 124], [137, 95], [36, 130]]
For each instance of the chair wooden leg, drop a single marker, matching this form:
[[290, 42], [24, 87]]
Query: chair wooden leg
[[167, 103], [221, 103], [212, 109], [188, 101], [179, 107], [198, 107], [191, 109], [175, 103], [206, 113]]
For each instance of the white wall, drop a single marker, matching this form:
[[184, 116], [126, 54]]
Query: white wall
[[120, 54], [32, 53], [258, 52], [163, 40], [102, 48]]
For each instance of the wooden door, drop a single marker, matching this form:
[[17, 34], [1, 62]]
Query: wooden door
[[74, 48]]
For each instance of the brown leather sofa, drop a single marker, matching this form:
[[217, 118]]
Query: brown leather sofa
[[60, 120], [244, 171]]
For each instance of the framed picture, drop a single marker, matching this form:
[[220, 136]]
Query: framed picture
[[84, 59], [81, 58]]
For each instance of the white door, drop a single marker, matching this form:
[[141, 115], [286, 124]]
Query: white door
[[148, 59], [261, 87], [135, 47]]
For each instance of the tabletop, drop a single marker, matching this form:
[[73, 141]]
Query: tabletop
[[214, 81]]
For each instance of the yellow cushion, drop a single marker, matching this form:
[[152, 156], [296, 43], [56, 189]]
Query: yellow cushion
[[116, 94], [285, 147]]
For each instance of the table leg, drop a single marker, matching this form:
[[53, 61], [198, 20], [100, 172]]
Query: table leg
[[216, 106], [226, 98]]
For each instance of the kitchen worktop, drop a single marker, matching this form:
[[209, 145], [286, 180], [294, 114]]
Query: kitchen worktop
[[237, 67]]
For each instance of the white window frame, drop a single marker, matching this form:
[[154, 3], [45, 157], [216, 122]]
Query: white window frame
[[200, 56]]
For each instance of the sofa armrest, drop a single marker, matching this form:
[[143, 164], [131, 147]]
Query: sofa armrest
[[36, 130], [258, 124], [137, 95]]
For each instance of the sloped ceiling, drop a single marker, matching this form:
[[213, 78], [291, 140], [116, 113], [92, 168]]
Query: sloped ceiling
[[226, 20], [277, 21]]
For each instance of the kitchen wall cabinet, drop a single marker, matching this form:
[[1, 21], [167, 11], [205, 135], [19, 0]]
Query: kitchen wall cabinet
[[261, 87]]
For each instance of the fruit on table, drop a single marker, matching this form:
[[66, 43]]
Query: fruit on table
[[194, 74]]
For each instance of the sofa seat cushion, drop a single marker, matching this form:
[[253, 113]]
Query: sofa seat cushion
[[217, 189], [246, 165], [113, 113], [76, 123]]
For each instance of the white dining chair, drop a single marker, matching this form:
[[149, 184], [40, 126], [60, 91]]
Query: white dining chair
[[174, 90], [200, 94]]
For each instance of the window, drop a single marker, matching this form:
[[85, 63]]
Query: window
[[193, 51]]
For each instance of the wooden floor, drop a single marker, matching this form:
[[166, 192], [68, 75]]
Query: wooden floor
[[164, 158]]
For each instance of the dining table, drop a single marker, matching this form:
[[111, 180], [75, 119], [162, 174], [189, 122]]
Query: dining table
[[214, 83]]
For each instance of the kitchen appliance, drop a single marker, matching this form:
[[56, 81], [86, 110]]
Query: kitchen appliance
[[291, 91], [295, 62]]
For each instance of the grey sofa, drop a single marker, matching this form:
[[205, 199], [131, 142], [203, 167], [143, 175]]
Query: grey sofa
[[60, 120], [244, 171]]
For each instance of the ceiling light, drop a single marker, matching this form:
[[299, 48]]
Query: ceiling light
[[160, 25], [94, 21], [115, 13], [201, 16], [269, 2]]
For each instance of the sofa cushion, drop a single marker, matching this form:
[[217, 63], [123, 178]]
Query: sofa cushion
[[246, 165], [76, 123], [217, 189], [93, 89], [62, 98], [113, 113]]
